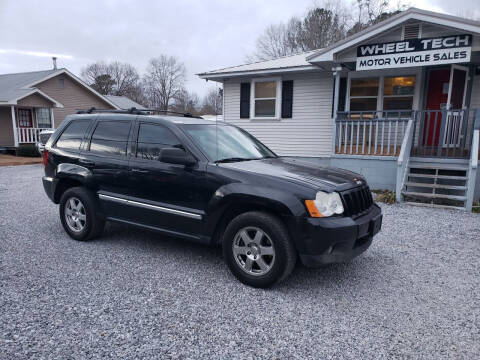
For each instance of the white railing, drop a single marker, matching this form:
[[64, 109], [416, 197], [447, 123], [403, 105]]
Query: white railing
[[362, 133], [28, 135], [403, 160], [473, 164]]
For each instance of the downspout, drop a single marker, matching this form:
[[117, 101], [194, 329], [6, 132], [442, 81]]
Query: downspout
[[473, 164]]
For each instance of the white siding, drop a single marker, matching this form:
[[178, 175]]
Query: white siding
[[308, 132]]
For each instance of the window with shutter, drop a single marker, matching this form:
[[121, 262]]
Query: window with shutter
[[287, 99], [244, 100]]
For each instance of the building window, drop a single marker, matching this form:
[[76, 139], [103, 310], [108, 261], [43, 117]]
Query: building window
[[61, 83], [364, 94], [398, 92], [265, 98], [43, 118]]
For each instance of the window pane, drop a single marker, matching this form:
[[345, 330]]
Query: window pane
[[72, 137], [43, 118], [227, 141], [108, 147], [112, 130], [400, 85], [264, 108], [363, 104], [364, 87], [398, 103], [110, 137], [265, 89], [153, 138]]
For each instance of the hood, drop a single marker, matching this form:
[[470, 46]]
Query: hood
[[301, 171]]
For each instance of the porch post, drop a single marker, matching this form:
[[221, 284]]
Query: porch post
[[336, 92], [52, 118], [14, 126]]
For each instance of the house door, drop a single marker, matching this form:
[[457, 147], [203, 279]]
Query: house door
[[446, 90], [455, 103], [25, 123]]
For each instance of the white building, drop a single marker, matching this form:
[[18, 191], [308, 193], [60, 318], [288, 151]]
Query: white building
[[396, 102]]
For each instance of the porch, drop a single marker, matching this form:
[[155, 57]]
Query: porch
[[435, 134], [23, 124]]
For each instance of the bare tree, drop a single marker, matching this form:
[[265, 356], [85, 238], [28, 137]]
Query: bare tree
[[212, 102], [164, 81], [320, 27], [115, 78], [186, 102]]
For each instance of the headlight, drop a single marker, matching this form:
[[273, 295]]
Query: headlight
[[325, 204]]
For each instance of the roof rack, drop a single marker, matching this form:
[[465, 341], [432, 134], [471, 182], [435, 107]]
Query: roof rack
[[135, 111]]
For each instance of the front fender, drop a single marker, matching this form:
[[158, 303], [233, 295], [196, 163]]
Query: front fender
[[283, 203]]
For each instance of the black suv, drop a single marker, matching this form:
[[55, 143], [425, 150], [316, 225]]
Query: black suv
[[210, 183]]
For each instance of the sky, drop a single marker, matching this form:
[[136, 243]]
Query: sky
[[204, 34]]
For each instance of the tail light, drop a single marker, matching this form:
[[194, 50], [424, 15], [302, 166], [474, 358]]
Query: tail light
[[45, 158]]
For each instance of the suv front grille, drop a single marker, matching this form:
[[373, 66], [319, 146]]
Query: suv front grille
[[357, 200]]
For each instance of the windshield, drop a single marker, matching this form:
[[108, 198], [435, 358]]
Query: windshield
[[233, 143]]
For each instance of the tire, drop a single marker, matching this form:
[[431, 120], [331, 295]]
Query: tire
[[78, 214], [258, 249]]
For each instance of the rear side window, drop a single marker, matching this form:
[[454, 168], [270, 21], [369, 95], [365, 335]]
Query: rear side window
[[72, 136], [152, 138], [110, 138]]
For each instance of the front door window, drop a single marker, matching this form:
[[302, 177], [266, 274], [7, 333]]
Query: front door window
[[25, 118]]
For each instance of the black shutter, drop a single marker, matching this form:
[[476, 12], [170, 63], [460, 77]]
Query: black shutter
[[287, 99], [244, 100]]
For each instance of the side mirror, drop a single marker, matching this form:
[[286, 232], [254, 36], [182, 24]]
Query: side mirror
[[176, 156]]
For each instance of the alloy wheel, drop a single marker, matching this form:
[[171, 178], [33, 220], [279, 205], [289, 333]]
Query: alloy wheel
[[253, 251], [75, 215]]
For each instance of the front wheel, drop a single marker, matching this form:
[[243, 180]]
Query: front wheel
[[258, 250], [78, 214]]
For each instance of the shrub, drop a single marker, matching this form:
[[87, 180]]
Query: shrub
[[476, 208], [385, 196], [28, 150]]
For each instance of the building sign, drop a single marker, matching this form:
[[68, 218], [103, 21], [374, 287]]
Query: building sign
[[415, 52]]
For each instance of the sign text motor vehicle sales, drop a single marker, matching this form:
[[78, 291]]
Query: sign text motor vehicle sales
[[415, 52]]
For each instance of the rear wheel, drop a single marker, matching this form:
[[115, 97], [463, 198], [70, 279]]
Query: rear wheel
[[258, 250], [78, 214]]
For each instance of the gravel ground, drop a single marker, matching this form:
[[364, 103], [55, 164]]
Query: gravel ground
[[414, 294]]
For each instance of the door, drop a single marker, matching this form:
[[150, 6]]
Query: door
[[437, 99], [455, 103], [166, 196], [25, 126], [105, 155]]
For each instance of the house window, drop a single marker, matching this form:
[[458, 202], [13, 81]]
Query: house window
[[398, 92], [364, 94], [43, 117], [265, 98]]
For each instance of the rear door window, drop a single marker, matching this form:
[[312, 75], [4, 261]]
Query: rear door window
[[110, 138], [152, 138], [72, 136]]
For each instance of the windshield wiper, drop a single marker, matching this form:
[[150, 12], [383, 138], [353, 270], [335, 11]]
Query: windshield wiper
[[234, 159]]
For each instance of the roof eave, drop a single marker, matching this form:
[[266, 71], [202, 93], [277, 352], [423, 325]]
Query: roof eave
[[210, 76], [34, 91]]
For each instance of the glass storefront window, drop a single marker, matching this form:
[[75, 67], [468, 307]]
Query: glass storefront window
[[398, 92]]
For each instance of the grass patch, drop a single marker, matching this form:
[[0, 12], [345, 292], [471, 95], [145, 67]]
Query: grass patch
[[27, 150], [385, 196]]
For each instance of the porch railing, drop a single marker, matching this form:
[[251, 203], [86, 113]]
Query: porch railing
[[443, 133], [28, 135], [371, 133]]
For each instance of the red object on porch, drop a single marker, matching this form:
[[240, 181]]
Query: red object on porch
[[437, 97], [24, 121]]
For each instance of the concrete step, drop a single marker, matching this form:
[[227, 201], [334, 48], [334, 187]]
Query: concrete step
[[434, 196], [436, 186], [433, 176], [435, 205], [438, 166]]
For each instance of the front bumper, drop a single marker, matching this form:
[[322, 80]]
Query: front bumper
[[338, 239]]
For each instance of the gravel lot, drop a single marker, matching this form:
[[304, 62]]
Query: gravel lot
[[414, 294]]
